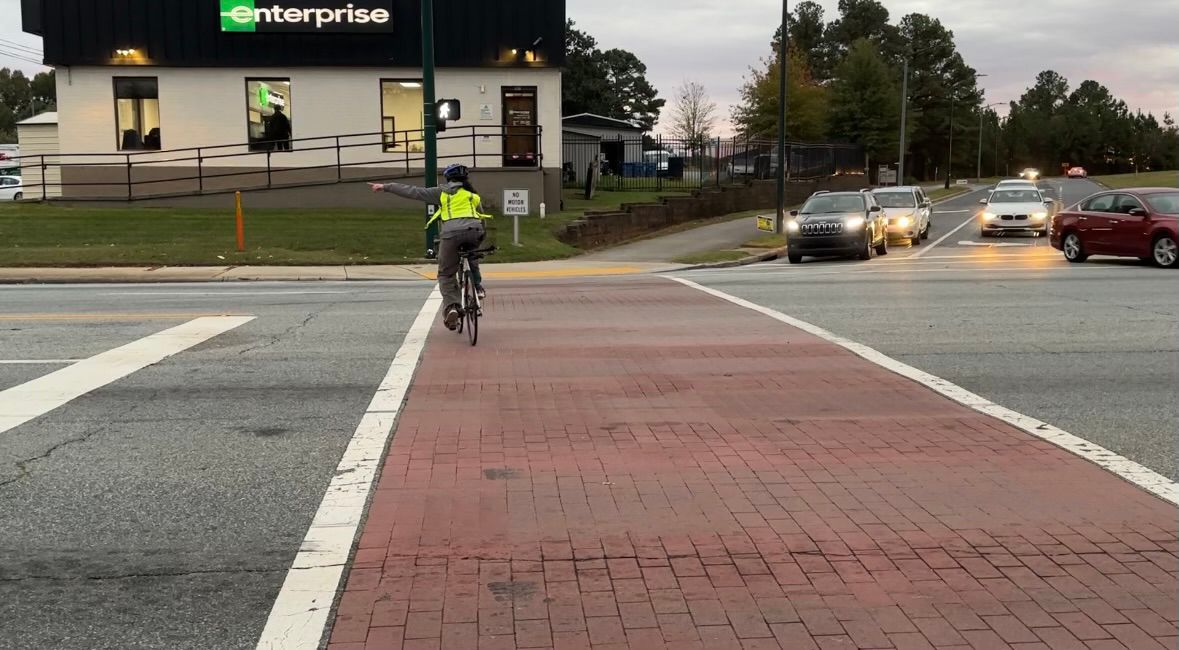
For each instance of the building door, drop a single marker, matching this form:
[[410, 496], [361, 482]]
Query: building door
[[520, 132]]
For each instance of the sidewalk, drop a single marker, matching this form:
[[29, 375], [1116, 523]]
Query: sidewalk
[[647, 466], [712, 237], [577, 267]]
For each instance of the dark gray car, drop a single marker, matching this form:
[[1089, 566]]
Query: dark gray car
[[850, 224]]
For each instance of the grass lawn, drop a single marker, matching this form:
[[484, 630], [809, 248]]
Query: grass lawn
[[1144, 179], [943, 193], [767, 241], [51, 235], [708, 257]]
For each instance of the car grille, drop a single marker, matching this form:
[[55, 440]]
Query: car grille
[[1015, 217], [829, 228]]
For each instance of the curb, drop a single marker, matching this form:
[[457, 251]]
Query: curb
[[768, 256]]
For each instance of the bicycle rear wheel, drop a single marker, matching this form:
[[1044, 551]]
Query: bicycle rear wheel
[[462, 278], [471, 309]]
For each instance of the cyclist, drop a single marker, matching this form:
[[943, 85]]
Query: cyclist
[[461, 229]]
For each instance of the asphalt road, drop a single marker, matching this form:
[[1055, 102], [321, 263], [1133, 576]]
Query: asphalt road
[[1092, 348], [164, 509]]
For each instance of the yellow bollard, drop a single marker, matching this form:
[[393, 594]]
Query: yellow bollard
[[241, 226]]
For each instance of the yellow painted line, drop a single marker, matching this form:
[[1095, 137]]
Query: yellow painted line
[[107, 316], [556, 273]]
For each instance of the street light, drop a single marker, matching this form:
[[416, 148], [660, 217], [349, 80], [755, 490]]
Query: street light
[[780, 221], [905, 111], [981, 113]]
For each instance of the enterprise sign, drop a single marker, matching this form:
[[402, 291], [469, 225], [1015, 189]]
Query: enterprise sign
[[307, 16]]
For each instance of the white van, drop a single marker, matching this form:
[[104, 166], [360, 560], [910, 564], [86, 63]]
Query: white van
[[658, 158]]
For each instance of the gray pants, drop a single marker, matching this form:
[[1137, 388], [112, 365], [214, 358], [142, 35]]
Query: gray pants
[[460, 234]]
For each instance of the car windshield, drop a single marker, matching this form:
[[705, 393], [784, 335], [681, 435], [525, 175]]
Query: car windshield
[[896, 199], [1164, 203], [1016, 196], [829, 204]]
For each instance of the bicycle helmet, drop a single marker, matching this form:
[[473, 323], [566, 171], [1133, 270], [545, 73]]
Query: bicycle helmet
[[455, 173]]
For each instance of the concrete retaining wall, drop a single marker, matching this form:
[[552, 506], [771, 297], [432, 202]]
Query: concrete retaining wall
[[598, 229]]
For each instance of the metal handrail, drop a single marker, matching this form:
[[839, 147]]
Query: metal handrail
[[205, 158]]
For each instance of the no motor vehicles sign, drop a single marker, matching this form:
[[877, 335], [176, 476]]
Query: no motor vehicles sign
[[516, 202]]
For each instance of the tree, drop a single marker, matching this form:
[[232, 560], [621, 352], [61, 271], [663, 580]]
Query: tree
[[631, 96], [611, 83], [693, 115], [865, 103], [860, 19], [584, 84], [943, 90], [44, 90], [806, 102], [808, 33]]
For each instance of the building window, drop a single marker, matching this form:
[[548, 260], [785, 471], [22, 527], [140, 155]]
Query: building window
[[401, 114], [137, 113], [269, 114]]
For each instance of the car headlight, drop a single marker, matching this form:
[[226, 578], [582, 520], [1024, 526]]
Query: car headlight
[[1039, 216], [904, 222], [854, 223], [989, 216], [792, 226]]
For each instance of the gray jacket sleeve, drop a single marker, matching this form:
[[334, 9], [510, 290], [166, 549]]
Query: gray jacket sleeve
[[423, 194]]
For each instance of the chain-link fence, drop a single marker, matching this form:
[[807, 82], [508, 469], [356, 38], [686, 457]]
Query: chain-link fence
[[659, 163]]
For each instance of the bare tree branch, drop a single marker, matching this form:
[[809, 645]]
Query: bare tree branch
[[693, 114]]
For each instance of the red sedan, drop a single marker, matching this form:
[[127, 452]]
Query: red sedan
[[1138, 222], [1077, 172]]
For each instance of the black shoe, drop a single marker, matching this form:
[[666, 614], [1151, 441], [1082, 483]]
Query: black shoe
[[451, 319]]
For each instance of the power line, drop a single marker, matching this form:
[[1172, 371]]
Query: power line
[[18, 46], [20, 56]]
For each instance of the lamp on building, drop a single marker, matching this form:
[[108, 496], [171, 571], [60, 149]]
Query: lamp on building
[[126, 53]]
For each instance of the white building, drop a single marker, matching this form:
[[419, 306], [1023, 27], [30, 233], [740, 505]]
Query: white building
[[184, 101]]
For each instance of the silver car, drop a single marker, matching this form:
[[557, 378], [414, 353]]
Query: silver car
[[1016, 209], [908, 211]]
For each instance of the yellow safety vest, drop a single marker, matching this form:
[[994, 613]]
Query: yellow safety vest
[[460, 205]]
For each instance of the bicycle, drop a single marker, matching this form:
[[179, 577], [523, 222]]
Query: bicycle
[[471, 307]]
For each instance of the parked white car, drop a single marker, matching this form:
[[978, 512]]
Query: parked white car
[[10, 188]]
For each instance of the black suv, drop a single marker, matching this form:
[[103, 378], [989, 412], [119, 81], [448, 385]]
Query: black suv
[[837, 223]]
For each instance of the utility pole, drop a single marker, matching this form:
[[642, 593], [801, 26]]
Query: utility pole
[[780, 222], [980, 137], [950, 157], [904, 122], [429, 123]]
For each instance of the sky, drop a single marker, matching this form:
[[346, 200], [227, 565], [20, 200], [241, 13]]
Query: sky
[[1130, 46]]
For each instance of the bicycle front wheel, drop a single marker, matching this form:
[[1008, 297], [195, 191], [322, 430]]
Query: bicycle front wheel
[[471, 309]]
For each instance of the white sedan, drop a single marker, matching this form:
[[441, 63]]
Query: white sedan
[[1016, 209], [10, 188]]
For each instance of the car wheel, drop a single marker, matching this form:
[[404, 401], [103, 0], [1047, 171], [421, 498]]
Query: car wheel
[[795, 258], [18, 196], [865, 252], [882, 247], [928, 227], [1165, 252], [983, 233], [916, 241], [1074, 248]]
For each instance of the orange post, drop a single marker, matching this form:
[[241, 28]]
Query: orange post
[[241, 226]]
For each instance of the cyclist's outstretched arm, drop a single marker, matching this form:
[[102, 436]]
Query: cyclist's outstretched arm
[[423, 194]]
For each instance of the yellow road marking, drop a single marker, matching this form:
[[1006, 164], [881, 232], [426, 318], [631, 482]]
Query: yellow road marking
[[555, 273], [128, 316]]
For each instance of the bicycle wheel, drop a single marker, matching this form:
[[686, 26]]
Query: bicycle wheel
[[462, 279], [472, 312]]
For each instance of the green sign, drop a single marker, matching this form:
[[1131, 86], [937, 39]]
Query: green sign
[[307, 16], [263, 96], [238, 16]]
